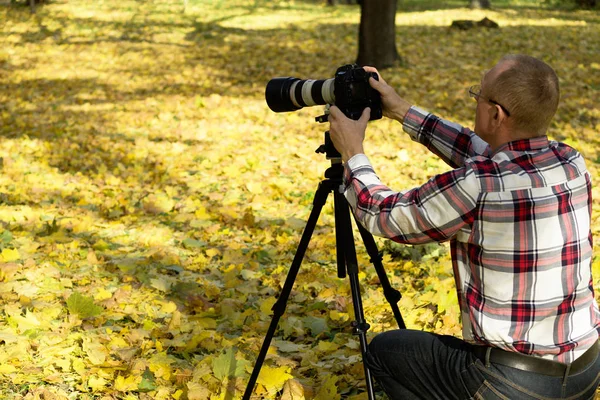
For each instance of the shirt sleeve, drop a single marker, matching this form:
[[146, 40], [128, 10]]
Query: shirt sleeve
[[433, 212], [452, 142]]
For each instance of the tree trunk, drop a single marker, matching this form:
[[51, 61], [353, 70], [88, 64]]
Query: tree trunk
[[377, 34], [480, 4], [586, 3]]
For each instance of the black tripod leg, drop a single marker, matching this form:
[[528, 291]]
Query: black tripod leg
[[279, 307], [344, 231], [338, 210], [392, 295]]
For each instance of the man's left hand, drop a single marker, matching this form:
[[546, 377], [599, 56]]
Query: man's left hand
[[347, 134]]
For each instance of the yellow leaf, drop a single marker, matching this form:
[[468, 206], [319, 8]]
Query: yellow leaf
[[292, 390], [177, 395], [197, 392], [31, 320], [273, 378], [9, 255], [101, 245], [201, 213], [328, 390], [79, 366], [338, 316], [168, 307], [102, 294], [212, 252], [327, 346], [428, 297], [255, 187], [118, 342], [158, 203], [160, 365], [265, 307], [7, 369], [123, 384], [175, 321], [96, 383], [95, 351]]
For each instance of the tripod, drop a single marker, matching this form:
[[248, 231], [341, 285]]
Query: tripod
[[346, 264]]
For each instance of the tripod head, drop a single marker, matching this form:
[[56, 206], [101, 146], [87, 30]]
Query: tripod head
[[327, 147], [329, 150]]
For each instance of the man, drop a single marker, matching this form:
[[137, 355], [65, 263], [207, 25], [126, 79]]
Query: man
[[517, 209]]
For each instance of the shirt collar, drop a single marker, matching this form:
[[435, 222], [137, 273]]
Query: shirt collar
[[532, 144]]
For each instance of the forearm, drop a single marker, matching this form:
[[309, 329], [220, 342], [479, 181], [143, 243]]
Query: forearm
[[450, 141], [425, 214]]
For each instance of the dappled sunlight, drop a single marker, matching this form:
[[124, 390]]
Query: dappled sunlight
[[151, 203], [501, 16], [265, 19]]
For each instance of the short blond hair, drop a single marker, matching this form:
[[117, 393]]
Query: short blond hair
[[529, 90]]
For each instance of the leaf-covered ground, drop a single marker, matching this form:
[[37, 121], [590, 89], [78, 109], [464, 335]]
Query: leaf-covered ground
[[151, 204]]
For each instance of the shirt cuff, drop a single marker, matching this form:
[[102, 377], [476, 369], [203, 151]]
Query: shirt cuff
[[357, 161]]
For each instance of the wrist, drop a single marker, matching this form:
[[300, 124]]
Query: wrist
[[400, 110], [348, 154]]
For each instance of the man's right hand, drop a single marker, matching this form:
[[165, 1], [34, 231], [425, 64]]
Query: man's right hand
[[394, 106]]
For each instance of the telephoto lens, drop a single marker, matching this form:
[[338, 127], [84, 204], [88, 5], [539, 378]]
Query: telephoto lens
[[291, 94]]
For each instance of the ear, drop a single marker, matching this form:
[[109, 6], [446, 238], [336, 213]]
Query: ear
[[498, 115]]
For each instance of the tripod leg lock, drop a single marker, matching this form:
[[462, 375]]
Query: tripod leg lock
[[360, 327], [392, 295]]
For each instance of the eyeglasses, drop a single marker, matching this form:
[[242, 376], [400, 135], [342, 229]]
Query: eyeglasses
[[475, 92]]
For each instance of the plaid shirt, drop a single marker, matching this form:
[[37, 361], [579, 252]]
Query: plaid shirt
[[519, 224]]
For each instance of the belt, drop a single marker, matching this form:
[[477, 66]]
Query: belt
[[538, 365]]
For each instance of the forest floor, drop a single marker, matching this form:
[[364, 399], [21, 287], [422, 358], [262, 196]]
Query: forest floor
[[151, 203]]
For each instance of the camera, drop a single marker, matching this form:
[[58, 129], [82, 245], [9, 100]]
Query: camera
[[349, 90]]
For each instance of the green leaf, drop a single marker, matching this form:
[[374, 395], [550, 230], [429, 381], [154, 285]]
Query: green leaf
[[5, 237], [227, 365], [83, 306], [319, 305], [148, 382], [190, 243], [316, 325]]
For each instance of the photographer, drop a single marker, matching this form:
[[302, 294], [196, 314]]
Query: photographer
[[516, 209]]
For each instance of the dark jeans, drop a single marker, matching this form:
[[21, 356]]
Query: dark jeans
[[419, 365]]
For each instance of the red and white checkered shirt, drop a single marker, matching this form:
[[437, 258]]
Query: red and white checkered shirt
[[519, 224]]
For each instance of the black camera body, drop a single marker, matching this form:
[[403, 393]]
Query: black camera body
[[349, 90], [353, 93]]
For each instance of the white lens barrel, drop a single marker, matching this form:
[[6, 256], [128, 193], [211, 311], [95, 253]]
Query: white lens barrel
[[310, 92], [327, 91], [292, 91], [306, 92]]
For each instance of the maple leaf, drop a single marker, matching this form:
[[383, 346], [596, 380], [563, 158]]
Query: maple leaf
[[83, 306], [273, 378], [328, 389], [8, 255], [148, 382], [292, 390], [226, 365], [197, 391], [128, 384]]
